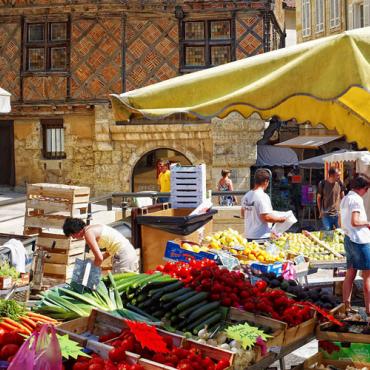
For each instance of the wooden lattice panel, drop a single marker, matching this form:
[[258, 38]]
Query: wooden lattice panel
[[44, 88], [96, 57], [152, 53], [249, 36], [10, 57]]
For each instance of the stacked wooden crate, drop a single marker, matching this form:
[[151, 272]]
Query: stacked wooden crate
[[47, 207]]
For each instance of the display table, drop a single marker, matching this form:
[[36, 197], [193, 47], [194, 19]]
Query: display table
[[272, 357]]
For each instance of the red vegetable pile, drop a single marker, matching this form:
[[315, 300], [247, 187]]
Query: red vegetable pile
[[97, 363], [233, 290], [179, 358], [10, 343]]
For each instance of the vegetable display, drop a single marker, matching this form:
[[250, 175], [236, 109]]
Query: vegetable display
[[7, 270], [98, 363], [179, 358]]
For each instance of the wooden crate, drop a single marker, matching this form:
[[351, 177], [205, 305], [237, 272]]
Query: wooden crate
[[63, 259], [62, 244], [296, 333], [58, 270], [277, 327], [58, 192], [314, 362]]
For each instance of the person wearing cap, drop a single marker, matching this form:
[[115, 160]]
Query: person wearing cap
[[257, 210]]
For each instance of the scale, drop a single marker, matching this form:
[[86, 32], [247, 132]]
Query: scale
[[85, 275]]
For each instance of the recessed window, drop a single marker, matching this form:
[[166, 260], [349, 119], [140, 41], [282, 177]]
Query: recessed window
[[334, 13], [358, 15], [46, 47], [53, 138], [206, 43], [306, 18], [319, 15]]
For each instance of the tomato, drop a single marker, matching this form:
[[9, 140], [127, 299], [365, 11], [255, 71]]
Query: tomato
[[81, 366], [127, 344], [136, 367], [124, 366], [185, 365], [222, 364], [8, 350], [117, 355], [96, 366]]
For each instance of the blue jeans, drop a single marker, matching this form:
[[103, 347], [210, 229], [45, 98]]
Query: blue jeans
[[328, 222]]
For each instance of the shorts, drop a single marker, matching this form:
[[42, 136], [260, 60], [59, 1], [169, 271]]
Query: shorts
[[358, 255], [125, 262]]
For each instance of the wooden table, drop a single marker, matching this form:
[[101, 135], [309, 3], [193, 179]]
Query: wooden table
[[272, 357]]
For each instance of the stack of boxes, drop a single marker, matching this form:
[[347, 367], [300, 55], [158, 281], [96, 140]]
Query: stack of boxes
[[188, 186], [47, 207]]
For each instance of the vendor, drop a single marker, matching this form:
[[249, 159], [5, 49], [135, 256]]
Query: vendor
[[257, 209], [102, 237], [356, 226]]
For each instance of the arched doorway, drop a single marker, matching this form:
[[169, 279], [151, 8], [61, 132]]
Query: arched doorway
[[144, 174]]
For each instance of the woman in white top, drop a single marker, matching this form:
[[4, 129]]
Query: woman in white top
[[356, 226], [104, 241]]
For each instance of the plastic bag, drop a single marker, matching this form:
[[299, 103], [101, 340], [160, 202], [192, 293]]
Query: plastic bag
[[41, 351]]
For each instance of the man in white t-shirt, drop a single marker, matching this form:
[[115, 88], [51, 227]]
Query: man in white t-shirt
[[257, 209]]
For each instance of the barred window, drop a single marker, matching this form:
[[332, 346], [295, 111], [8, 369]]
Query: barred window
[[53, 138], [206, 43], [46, 47], [306, 18]]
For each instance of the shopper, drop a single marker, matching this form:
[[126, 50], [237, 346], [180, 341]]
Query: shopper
[[329, 194], [104, 241], [226, 184], [164, 180], [357, 240], [257, 209]]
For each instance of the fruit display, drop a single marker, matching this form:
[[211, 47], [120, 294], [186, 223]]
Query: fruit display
[[98, 363], [232, 289], [300, 244], [176, 357], [317, 296], [237, 245]]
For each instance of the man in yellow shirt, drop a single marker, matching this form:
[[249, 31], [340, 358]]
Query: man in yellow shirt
[[164, 180]]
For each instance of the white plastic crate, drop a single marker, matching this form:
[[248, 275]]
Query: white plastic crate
[[188, 186]]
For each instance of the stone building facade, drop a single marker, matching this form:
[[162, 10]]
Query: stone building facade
[[61, 60], [358, 13], [320, 18]]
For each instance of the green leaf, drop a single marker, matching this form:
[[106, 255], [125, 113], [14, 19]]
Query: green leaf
[[245, 334], [70, 348]]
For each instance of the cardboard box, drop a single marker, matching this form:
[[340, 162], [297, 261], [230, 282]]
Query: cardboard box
[[314, 362]]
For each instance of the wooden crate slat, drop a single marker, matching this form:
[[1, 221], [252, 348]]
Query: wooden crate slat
[[62, 242], [45, 221], [54, 269], [74, 194], [62, 258]]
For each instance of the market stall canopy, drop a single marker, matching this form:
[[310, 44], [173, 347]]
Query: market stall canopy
[[317, 162], [363, 156], [307, 142], [269, 155], [4, 101], [322, 81]]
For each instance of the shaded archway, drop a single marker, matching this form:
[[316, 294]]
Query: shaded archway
[[144, 174]]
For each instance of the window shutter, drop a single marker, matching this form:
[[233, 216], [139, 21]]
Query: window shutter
[[350, 17]]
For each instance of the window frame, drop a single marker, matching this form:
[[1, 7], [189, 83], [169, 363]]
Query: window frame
[[320, 16], [207, 43], [334, 13], [306, 18], [52, 123], [357, 6], [47, 45]]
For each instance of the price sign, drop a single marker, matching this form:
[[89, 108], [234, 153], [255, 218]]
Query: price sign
[[229, 261], [245, 334], [299, 259]]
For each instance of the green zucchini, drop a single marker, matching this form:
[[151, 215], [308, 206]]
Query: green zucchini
[[168, 305], [140, 312], [146, 279], [185, 313], [208, 322], [197, 322], [168, 288], [192, 301], [185, 296], [203, 310], [142, 297], [158, 314], [171, 296]]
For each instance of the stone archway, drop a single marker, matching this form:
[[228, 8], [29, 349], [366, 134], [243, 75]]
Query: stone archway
[[186, 156]]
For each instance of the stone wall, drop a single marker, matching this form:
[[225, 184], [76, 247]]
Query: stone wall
[[103, 155]]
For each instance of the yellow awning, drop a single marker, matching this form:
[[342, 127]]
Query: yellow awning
[[323, 81]]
